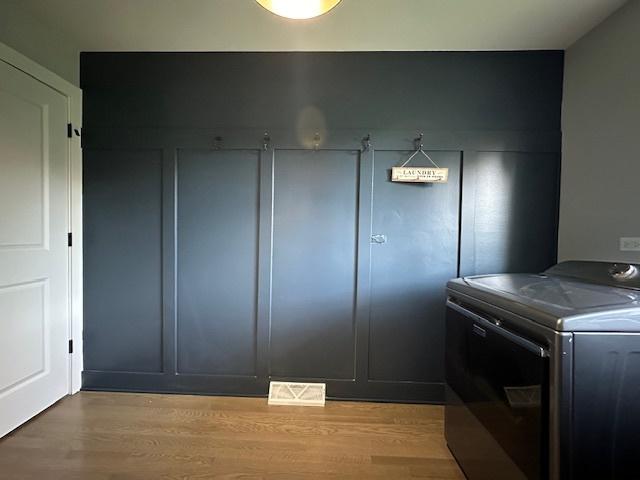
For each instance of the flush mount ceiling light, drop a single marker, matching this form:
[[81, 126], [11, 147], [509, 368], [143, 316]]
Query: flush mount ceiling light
[[299, 9]]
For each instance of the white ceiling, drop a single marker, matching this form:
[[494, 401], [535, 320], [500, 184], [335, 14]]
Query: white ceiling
[[242, 25]]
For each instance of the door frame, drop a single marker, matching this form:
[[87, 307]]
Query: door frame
[[74, 104]]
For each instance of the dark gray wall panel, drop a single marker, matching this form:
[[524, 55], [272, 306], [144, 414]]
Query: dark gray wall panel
[[376, 90], [122, 260], [217, 199], [314, 263], [408, 272], [510, 212]]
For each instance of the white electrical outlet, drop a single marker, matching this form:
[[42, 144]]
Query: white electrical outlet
[[630, 244]]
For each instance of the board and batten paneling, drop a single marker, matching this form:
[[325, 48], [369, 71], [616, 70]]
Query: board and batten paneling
[[123, 267], [510, 212], [408, 271], [230, 203], [315, 223], [217, 260]]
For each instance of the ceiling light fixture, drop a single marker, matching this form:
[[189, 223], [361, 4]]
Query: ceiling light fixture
[[299, 9]]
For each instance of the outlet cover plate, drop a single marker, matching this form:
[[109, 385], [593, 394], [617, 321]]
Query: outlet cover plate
[[630, 244]]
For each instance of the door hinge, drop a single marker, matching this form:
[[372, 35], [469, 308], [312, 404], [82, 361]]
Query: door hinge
[[70, 346], [71, 131], [70, 239]]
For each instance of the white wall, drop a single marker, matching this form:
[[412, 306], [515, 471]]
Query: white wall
[[353, 25], [600, 194], [39, 41]]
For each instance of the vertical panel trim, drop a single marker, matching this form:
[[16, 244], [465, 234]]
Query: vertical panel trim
[[265, 266], [169, 258], [363, 281], [557, 210], [460, 199], [466, 253]]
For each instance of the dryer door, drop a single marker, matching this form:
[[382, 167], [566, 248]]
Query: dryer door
[[497, 399]]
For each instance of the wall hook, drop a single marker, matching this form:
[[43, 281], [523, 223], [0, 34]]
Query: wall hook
[[366, 142], [316, 141], [419, 149], [266, 140]]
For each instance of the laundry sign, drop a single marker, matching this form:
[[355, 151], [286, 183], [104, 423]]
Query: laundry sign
[[419, 174]]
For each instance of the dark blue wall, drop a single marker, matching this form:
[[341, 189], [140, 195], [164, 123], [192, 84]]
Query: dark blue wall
[[230, 199]]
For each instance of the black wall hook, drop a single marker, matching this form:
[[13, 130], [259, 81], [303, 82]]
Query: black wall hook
[[366, 142]]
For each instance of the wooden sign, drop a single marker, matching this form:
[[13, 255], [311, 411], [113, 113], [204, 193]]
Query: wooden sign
[[419, 174]]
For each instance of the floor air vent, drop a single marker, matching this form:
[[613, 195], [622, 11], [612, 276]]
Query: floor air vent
[[292, 393]]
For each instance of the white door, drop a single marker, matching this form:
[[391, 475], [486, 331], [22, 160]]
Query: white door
[[34, 304]]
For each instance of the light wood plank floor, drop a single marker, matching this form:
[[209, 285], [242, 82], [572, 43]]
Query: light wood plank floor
[[118, 436]]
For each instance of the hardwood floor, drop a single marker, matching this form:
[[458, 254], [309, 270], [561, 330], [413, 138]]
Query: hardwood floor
[[118, 436]]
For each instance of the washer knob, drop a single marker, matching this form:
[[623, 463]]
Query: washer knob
[[623, 271]]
